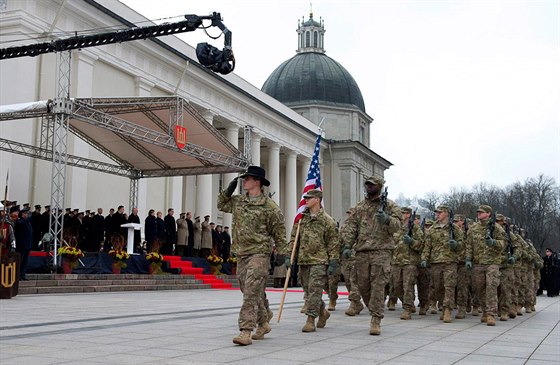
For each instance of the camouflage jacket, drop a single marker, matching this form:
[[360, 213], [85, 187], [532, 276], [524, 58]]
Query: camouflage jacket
[[408, 254], [343, 246], [478, 251], [318, 239], [534, 256], [257, 223], [436, 244], [516, 250], [461, 249], [362, 232]]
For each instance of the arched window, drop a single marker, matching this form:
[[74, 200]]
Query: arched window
[[315, 36], [307, 39]]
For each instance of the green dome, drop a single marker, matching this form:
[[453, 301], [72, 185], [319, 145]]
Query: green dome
[[313, 78]]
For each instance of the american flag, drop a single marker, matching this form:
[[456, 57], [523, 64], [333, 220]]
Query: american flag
[[313, 178]]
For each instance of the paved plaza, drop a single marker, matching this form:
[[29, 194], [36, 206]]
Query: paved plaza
[[197, 327]]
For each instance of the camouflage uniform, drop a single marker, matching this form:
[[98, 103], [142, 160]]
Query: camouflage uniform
[[443, 259], [486, 264], [317, 245], [424, 279], [464, 276], [404, 270], [257, 221], [374, 244], [537, 264], [507, 276]]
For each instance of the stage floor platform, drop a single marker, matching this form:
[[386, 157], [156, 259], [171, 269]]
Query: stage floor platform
[[197, 327]]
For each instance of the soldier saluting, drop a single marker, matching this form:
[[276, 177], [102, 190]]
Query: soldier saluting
[[257, 221]]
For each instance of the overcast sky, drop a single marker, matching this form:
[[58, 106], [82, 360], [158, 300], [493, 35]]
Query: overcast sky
[[461, 92]]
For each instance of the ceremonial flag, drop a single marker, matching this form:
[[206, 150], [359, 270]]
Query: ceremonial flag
[[313, 178]]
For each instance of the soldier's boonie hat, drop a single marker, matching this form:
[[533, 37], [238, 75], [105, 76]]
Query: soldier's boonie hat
[[14, 209], [484, 209], [442, 208], [376, 180], [429, 222], [500, 217], [458, 217], [256, 171], [313, 193], [38, 206], [406, 210]]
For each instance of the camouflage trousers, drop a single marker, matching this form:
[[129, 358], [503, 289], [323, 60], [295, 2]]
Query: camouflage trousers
[[252, 271], [332, 284], [486, 279], [536, 284], [404, 278], [350, 279], [423, 285], [520, 273], [373, 269], [529, 296], [444, 279], [464, 287], [313, 280], [505, 290]]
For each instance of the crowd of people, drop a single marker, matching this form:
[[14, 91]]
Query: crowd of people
[[93, 232]]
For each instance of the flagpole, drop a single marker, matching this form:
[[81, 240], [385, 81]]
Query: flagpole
[[288, 273]]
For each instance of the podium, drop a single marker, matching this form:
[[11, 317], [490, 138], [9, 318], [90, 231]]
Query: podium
[[130, 237]]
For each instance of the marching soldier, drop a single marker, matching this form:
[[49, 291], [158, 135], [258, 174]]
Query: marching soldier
[[507, 272], [347, 259]]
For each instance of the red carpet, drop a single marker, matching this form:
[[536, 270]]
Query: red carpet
[[188, 269]]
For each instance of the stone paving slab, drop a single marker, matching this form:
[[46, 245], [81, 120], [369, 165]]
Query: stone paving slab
[[197, 327]]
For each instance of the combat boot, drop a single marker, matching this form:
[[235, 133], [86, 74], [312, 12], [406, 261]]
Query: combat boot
[[332, 305], [391, 305], [304, 308], [375, 326], [355, 308], [413, 309], [322, 322], [262, 330], [483, 318], [475, 312], [446, 315], [309, 325], [512, 313], [269, 315], [503, 317], [490, 320], [243, 339], [469, 309], [533, 308], [422, 311], [461, 313], [405, 315], [433, 309], [528, 309], [519, 312]]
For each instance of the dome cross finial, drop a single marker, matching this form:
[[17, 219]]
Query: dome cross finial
[[310, 10]]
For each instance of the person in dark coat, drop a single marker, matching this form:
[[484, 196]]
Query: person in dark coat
[[549, 273], [160, 227], [109, 229], [36, 225], [150, 229], [190, 240], [119, 218], [24, 239], [134, 218], [226, 243], [98, 228], [170, 232]]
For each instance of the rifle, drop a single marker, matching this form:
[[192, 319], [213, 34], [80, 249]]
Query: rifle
[[411, 223], [451, 231], [466, 226], [383, 201], [508, 237], [423, 224], [491, 225]]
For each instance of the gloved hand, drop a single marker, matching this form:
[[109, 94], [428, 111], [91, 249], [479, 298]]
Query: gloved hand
[[407, 239], [490, 242], [333, 266], [453, 244], [287, 262], [468, 264], [382, 217], [538, 265], [424, 264], [511, 260], [231, 187], [346, 252]]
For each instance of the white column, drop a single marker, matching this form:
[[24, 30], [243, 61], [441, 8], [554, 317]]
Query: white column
[[273, 172], [291, 197], [204, 198], [232, 135], [255, 149]]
